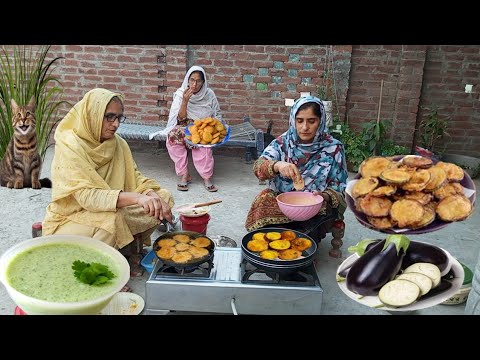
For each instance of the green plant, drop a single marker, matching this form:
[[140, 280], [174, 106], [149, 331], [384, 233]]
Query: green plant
[[389, 148], [433, 129], [24, 74], [374, 134], [355, 149]]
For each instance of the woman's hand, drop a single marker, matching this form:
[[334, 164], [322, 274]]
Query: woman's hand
[[187, 94], [287, 170], [155, 206]]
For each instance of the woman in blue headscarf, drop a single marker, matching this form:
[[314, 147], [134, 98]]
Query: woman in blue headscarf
[[305, 150]]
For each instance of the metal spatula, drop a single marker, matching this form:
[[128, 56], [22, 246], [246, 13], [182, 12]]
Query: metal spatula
[[189, 207]]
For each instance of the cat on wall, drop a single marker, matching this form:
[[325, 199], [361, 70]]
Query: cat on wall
[[21, 164]]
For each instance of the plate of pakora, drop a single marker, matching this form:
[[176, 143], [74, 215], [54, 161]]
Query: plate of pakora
[[410, 194], [207, 132]]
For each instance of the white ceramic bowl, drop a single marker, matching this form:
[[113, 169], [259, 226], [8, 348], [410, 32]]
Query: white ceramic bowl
[[35, 306]]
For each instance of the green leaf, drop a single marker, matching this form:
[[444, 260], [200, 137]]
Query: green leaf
[[92, 274]]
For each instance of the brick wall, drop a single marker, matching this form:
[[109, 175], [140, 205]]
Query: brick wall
[[401, 69], [447, 70], [254, 80]]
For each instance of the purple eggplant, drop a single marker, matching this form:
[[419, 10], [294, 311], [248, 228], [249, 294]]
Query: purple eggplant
[[377, 266], [417, 252]]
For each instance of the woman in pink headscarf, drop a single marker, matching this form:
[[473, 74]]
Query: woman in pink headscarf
[[193, 100]]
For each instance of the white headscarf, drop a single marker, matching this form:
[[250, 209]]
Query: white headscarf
[[201, 105]]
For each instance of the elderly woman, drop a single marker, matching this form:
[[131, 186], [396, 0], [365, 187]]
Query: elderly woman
[[97, 189], [305, 150], [192, 101]]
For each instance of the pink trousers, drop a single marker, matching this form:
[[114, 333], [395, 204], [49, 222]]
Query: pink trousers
[[202, 159]]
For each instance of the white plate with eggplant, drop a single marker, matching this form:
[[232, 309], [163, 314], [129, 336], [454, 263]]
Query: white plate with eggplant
[[396, 274]]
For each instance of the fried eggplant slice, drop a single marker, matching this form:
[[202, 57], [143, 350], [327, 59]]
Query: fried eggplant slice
[[182, 247], [427, 218], [301, 244], [182, 257], [406, 212], [166, 252], [201, 242], [257, 245], [454, 208], [289, 254], [381, 223], [387, 190], [396, 176], [416, 161], [197, 252], [288, 235], [448, 189], [374, 206], [373, 167], [422, 197], [279, 244], [438, 178], [364, 186], [454, 172], [418, 181], [269, 254], [167, 242], [182, 238]]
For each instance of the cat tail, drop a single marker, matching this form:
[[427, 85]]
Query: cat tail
[[45, 182]]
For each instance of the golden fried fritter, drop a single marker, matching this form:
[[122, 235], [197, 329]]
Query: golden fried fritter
[[364, 186], [288, 235], [448, 189], [421, 197], [301, 244], [454, 208], [289, 254], [167, 242], [417, 161], [258, 236], [166, 252], [381, 222], [257, 245], [386, 190], [182, 257], [182, 238], [374, 206], [198, 252], [279, 244], [269, 254], [182, 247], [406, 212], [454, 172], [396, 176], [437, 179], [373, 166], [427, 218], [202, 242], [420, 178], [273, 235]]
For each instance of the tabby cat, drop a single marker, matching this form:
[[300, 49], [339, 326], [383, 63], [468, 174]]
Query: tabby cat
[[21, 162]]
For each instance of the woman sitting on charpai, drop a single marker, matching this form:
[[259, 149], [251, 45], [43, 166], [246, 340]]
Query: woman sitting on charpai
[[307, 150], [98, 191]]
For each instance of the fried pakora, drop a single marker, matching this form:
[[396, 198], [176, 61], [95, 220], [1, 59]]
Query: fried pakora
[[448, 189], [454, 172], [406, 212], [166, 252], [381, 222], [182, 238], [364, 186], [387, 190], [258, 236], [437, 179], [198, 252], [396, 176], [257, 245], [202, 242], [279, 244], [373, 166], [454, 208], [427, 218], [288, 235], [182, 257], [182, 247], [374, 206], [418, 181], [289, 254], [301, 244], [273, 235], [416, 161], [269, 254], [167, 242]]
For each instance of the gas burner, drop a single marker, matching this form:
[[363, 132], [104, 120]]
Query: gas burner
[[305, 276], [202, 270]]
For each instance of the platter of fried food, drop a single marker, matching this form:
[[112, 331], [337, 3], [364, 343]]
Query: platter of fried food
[[275, 245], [207, 132], [410, 194]]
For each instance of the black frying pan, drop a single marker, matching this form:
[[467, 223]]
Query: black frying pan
[[278, 265], [192, 235]]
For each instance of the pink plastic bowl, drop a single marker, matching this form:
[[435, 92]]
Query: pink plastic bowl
[[299, 206]]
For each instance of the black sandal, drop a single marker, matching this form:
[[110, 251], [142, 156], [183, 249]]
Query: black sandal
[[182, 186]]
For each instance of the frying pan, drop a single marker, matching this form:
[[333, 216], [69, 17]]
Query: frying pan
[[191, 263], [283, 266]]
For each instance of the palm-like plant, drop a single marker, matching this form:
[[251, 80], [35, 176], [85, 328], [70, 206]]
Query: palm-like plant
[[23, 75]]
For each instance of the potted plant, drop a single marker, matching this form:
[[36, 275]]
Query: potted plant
[[433, 130]]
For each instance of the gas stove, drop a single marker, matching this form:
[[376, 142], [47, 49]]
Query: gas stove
[[231, 285]]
